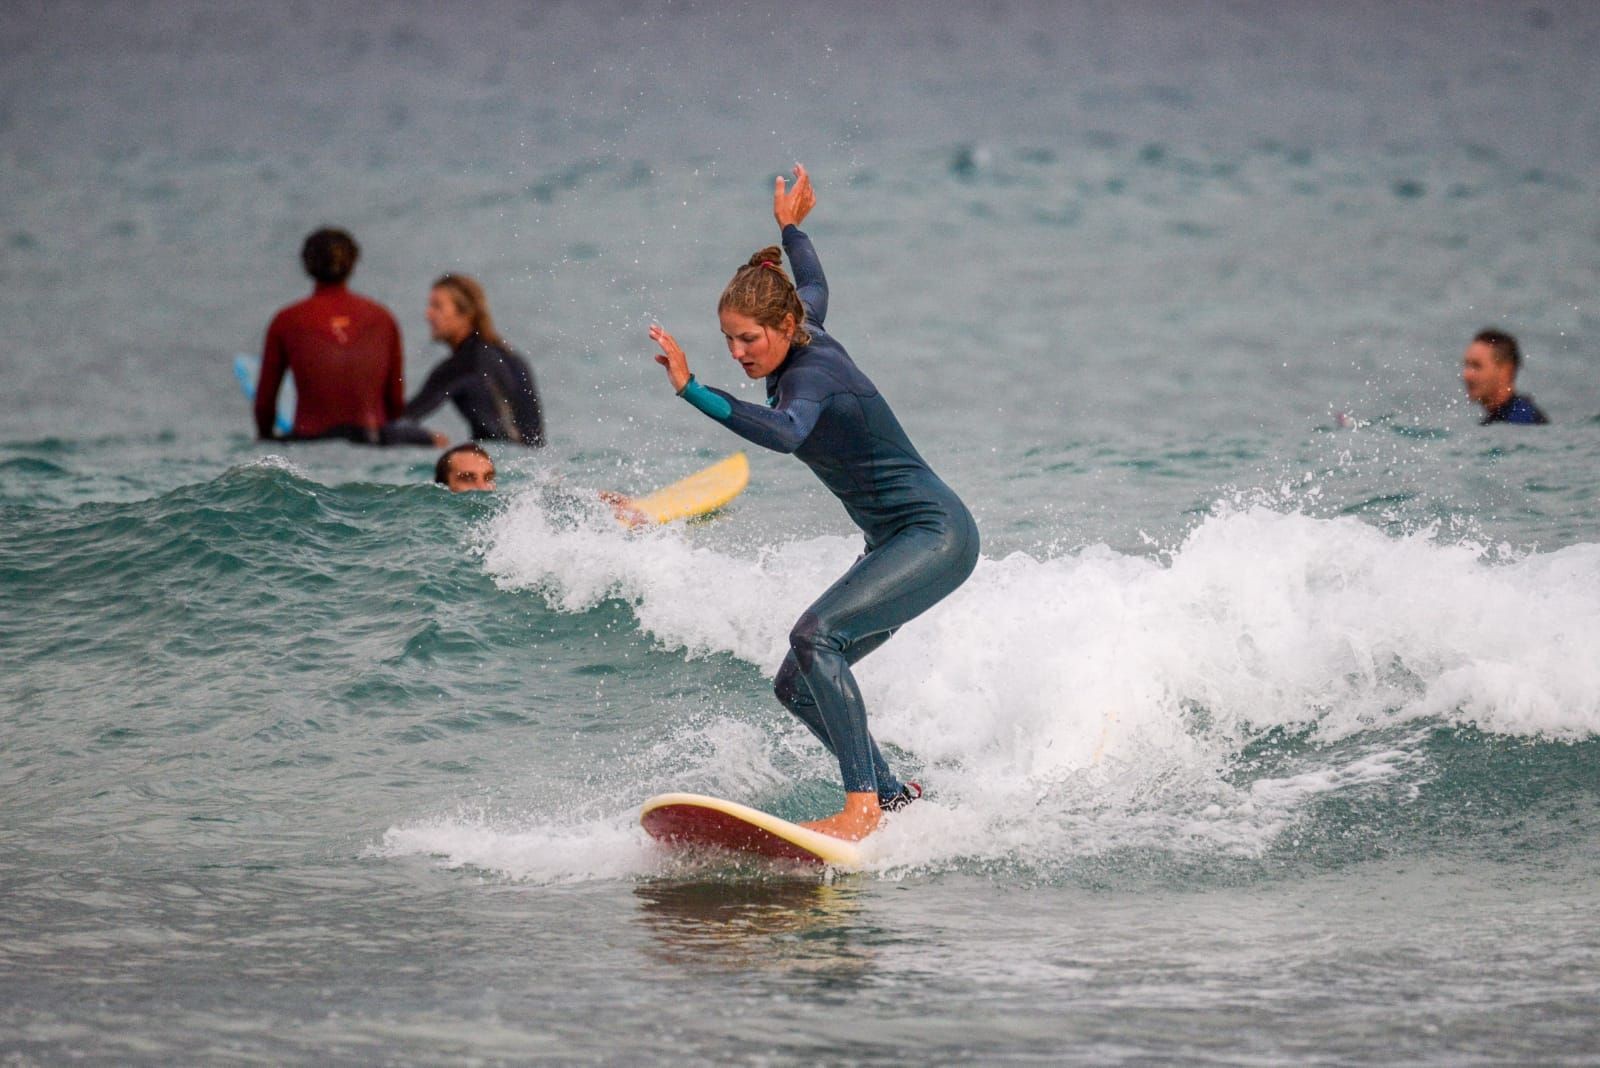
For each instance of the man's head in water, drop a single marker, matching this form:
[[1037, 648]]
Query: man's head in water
[[459, 308], [1489, 368], [464, 469], [761, 314], [329, 255]]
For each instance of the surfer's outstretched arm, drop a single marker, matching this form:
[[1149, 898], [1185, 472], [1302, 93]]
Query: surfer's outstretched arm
[[809, 283], [781, 428], [790, 207]]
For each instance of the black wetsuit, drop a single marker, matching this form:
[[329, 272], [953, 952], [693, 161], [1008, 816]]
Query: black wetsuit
[[921, 542], [490, 385], [1519, 409]]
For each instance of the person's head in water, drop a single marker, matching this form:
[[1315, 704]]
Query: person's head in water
[[465, 468], [329, 255], [761, 314], [1489, 367], [458, 308]]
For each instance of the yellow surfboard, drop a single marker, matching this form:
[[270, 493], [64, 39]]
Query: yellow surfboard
[[697, 821], [702, 492]]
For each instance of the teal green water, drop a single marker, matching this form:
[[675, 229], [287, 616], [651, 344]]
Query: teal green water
[[1265, 731], [310, 770]]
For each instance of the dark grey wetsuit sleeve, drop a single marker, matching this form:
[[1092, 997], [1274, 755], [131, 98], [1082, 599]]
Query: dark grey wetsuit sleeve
[[781, 428], [809, 280], [801, 394], [434, 392]]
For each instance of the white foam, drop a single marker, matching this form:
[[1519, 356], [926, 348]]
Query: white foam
[[575, 555], [575, 852], [275, 462], [1096, 700], [1264, 618]]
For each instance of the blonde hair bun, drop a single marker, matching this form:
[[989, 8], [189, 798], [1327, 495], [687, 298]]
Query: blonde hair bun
[[762, 290]]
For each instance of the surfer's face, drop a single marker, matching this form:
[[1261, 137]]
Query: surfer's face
[[1488, 378], [759, 349], [445, 317], [470, 473]]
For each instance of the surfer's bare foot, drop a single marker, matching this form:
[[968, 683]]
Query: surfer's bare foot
[[859, 818]]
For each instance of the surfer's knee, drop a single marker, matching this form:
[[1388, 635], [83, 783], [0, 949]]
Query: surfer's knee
[[788, 685], [809, 637]]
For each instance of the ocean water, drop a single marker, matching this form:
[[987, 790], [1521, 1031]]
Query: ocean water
[[1265, 731]]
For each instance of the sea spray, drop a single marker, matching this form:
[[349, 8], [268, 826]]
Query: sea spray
[[1095, 702]]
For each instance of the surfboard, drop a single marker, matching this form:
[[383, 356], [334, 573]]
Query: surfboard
[[247, 370], [702, 492], [695, 821]]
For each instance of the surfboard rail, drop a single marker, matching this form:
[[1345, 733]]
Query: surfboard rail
[[247, 371], [704, 491], [680, 819]]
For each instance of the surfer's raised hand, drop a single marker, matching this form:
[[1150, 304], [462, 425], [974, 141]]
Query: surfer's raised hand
[[671, 357], [791, 206]]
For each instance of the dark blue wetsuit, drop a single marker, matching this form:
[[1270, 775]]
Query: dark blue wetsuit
[[1519, 409], [921, 540], [491, 386]]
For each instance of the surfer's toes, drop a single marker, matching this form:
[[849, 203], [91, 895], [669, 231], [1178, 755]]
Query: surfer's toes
[[910, 792]]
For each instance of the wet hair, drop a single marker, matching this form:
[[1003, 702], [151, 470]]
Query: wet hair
[[330, 255], [761, 290], [441, 470], [471, 302], [1504, 345]]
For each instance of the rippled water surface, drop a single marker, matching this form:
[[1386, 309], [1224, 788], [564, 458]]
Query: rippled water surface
[[1265, 731]]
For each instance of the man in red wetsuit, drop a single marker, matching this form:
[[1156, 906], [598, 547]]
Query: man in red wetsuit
[[343, 349]]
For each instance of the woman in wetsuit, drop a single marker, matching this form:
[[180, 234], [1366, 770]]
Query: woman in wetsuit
[[921, 542], [491, 386]]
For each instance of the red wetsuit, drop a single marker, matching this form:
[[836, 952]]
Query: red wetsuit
[[344, 351]]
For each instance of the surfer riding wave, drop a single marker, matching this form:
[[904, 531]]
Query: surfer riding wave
[[921, 542]]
